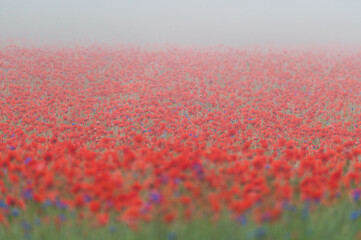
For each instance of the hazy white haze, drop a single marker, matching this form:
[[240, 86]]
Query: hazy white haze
[[186, 22]]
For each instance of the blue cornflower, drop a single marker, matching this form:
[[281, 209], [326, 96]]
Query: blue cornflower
[[87, 198], [27, 160], [177, 180], [356, 194], [47, 203], [155, 197], [26, 225], [28, 194], [60, 204], [354, 215], [260, 232], [15, 212], [145, 208], [3, 204], [305, 212], [241, 219], [287, 206], [172, 236], [112, 229]]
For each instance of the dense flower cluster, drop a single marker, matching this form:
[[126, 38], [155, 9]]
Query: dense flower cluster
[[140, 134]]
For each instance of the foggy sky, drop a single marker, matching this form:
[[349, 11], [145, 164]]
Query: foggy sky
[[182, 22]]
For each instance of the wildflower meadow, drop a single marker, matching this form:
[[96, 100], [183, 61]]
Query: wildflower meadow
[[179, 143]]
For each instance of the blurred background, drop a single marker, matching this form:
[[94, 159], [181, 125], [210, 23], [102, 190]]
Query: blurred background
[[187, 22]]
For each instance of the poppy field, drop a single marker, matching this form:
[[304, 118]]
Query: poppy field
[[179, 143]]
